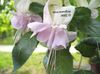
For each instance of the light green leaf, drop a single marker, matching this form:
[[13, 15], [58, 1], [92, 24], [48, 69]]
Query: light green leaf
[[23, 50], [79, 3], [66, 2], [73, 2]]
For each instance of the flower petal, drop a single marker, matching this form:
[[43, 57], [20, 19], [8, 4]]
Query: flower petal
[[22, 5], [94, 4], [51, 39], [60, 39], [37, 27], [20, 21], [44, 35], [46, 15], [72, 35]]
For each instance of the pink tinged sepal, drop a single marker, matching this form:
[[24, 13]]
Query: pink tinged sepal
[[37, 27]]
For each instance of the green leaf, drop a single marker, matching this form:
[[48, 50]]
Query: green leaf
[[36, 8], [83, 72], [88, 46], [80, 20], [84, 25], [23, 50], [61, 62], [73, 2], [93, 29], [79, 3], [82, 16], [88, 31]]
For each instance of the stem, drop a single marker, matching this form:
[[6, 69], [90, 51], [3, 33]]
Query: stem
[[98, 54], [80, 63], [63, 3]]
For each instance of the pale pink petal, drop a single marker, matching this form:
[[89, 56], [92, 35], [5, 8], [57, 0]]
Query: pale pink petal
[[46, 15], [14, 22], [44, 35], [60, 39], [37, 27], [19, 21], [72, 35]]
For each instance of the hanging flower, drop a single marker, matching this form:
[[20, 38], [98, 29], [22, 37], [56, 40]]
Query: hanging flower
[[22, 17], [53, 31], [20, 20]]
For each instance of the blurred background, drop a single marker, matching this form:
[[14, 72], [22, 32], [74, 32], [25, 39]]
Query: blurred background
[[34, 65], [6, 30]]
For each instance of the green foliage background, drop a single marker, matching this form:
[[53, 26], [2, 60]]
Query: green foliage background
[[6, 30]]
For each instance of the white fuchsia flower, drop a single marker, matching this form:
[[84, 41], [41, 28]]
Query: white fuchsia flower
[[53, 31]]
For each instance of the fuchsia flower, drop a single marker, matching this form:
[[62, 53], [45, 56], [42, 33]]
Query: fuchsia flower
[[53, 31], [21, 20]]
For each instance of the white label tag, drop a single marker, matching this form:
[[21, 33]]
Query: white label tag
[[63, 15]]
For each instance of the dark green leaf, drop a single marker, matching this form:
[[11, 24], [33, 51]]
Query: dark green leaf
[[84, 25], [93, 29], [88, 31], [88, 46], [61, 62], [36, 8], [83, 72], [23, 50], [81, 19]]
